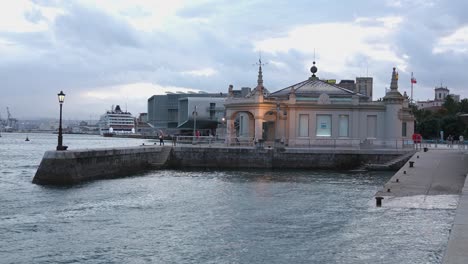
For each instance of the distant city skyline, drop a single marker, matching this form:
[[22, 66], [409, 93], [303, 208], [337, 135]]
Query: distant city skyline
[[104, 53]]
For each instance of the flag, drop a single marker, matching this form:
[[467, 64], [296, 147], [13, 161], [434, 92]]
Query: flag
[[413, 80]]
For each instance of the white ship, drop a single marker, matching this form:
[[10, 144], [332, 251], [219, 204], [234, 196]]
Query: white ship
[[116, 122]]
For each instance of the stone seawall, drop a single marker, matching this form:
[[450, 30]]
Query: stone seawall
[[74, 166], [270, 159]]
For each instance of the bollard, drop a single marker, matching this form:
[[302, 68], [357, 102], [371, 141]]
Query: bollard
[[425, 149], [411, 164], [397, 180], [388, 190], [404, 172], [378, 201], [417, 156]]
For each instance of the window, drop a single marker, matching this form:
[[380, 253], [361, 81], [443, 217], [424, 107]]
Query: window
[[403, 129], [303, 125], [343, 126], [241, 125], [372, 126], [324, 125], [212, 110], [440, 95]]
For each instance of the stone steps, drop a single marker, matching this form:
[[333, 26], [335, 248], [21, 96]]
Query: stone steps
[[390, 165]]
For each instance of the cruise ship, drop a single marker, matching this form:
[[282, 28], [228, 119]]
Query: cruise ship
[[116, 122]]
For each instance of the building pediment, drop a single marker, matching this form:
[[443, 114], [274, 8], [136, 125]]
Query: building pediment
[[314, 87]]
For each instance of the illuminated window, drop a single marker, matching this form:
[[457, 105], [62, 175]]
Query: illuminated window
[[323, 126]]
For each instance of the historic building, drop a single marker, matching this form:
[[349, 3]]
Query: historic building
[[318, 112], [440, 94]]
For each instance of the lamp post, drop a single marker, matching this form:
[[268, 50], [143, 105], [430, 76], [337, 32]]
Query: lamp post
[[223, 122], [60, 146]]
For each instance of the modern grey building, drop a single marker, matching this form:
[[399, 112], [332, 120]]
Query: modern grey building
[[163, 110]]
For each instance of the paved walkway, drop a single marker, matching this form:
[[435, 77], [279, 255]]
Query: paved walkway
[[438, 172], [435, 172]]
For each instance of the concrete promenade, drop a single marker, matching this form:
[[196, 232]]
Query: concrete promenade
[[440, 171], [436, 172]]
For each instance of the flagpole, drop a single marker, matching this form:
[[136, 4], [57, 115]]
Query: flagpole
[[411, 87]]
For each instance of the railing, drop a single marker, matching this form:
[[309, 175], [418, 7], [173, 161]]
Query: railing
[[354, 143], [213, 141], [200, 140], [349, 143], [442, 144]]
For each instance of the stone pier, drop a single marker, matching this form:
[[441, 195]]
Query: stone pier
[[74, 166]]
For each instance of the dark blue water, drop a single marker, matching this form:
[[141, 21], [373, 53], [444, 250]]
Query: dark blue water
[[205, 216]]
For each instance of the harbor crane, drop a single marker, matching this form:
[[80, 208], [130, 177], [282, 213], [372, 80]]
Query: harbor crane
[[11, 123]]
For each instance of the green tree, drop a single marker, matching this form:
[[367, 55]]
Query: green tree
[[451, 105], [464, 106], [429, 128]]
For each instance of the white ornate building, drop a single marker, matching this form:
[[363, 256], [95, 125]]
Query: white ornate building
[[316, 112], [440, 94]]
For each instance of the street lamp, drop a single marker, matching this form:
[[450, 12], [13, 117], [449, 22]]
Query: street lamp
[[223, 122], [61, 98]]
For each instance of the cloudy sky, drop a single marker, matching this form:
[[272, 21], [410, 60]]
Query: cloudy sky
[[102, 53]]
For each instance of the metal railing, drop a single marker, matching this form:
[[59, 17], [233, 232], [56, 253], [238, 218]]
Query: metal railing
[[348, 143], [441, 144], [354, 143]]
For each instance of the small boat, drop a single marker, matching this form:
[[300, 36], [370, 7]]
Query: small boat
[[108, 134], [27, 139]]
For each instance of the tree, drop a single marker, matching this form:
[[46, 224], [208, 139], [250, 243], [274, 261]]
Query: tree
[[430, 123], [464, 106], [451, 105]]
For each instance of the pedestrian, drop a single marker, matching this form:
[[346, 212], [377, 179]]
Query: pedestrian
[[174, 140], [161, 140], [461, 142]]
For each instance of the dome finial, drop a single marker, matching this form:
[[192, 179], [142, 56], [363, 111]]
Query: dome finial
[[313, 69]]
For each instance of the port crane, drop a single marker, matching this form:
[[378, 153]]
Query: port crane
[[11, 123]]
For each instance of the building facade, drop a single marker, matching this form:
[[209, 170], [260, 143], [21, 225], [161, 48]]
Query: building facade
[[315, 112], [440, 94], [175, 110], [163, 110]]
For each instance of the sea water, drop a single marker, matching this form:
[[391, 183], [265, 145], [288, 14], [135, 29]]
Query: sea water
[[214, 216]]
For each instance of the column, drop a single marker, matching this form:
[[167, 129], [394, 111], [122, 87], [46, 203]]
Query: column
[[230, 133], [258, 128]]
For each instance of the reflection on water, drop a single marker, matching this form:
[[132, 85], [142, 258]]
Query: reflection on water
[[199, 216]]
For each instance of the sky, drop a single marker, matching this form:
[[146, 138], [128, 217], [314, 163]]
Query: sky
[[121, 52]]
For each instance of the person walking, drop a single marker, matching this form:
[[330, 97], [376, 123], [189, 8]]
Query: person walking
[[461, 142], [161, 140]]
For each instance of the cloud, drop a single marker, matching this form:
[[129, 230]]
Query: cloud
[[99, 51], [337, 44], [456, 42], [206, 72], [140, 91]]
